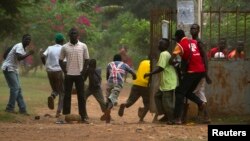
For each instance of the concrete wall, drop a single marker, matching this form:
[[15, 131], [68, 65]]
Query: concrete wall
[[230, 91]]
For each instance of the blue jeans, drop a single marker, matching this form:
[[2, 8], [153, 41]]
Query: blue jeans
[[12, 79]]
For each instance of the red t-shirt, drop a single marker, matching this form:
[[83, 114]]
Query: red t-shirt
[[214, 50], [195, 63]]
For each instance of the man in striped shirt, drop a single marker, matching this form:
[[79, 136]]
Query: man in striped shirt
[[77, 56]]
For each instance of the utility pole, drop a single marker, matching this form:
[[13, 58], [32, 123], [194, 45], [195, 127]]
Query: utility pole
[[199, 14]]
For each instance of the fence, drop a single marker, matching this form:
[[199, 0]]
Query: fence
[[233, 25], [230, 91]]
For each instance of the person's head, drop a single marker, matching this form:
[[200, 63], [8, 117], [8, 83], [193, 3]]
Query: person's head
[[73, 35], [92, 63], [179, 34], [222, 44], [123, 50], [163, 44], [194, 30], [59, 38], [240, 46], [26, 40], [117, 57]]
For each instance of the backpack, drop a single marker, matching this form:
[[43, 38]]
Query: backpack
[[7, 51], [181, 66]]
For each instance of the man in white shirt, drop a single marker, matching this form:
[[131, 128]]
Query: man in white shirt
[[10, 71], [50, 59]]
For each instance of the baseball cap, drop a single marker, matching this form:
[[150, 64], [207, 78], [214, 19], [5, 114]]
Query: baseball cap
[[59, 37]]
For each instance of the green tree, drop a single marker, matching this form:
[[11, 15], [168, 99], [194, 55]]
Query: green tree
[[125, 30]]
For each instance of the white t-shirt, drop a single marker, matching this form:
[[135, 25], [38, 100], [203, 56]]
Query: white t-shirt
[[219, 55], [11, 62], [52, 54]]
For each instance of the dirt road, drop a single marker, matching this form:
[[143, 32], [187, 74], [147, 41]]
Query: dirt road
[[124, 128]]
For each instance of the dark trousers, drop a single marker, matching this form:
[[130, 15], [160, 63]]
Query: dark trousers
[[79, 85], [56, 83], [98, 96], [164, 101], [185, 89], [137, 92]]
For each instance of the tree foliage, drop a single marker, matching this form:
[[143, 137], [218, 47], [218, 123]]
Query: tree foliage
[[141, 8], [104, 25], [12, 17], [226, 4], [125, 30]]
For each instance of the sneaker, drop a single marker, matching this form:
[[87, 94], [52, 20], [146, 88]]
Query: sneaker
[[121, 110], [176, 122], [202, 107], [51, 102], [163, 119], [206, 120], [102, 117], [10, 111], [24, 113], [106, 116], [60, 122], [85, 121], [58, 115], [140, 112]]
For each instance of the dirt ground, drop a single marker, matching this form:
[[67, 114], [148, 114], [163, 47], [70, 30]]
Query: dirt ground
[[124, 128]]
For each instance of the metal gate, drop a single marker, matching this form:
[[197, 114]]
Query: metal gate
[[230, 91], [156, 18]]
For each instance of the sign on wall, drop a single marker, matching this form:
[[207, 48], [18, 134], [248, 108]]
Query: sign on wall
[[185, 12]]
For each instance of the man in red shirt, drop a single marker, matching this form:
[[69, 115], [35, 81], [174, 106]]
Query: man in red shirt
[[221, 48], [237, 53], [188, 50]]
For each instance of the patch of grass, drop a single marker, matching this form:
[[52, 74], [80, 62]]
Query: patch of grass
[[225, 119], [35, 90], [6, 116]]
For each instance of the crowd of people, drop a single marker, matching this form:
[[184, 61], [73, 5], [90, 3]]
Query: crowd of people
[[69, 64]]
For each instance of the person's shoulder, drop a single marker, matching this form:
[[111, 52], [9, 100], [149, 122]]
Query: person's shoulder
[[110, 63], [214, 49], [18, 45], [57, 46], [145, 61], [194, 41], [81, 43], [98, 70], [50, 46], [199, 40], [184, 39], [165, 52], [66, 45]]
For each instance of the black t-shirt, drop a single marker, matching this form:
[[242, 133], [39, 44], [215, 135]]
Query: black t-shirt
[[95, 79]]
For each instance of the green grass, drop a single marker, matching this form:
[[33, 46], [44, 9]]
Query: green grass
[[242, 119], [35, 89]]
